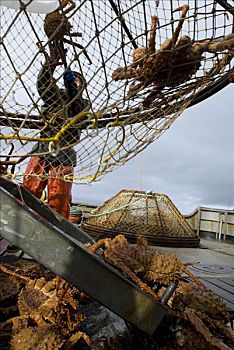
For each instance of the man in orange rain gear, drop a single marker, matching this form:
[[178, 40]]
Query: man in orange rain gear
[[49, 170]]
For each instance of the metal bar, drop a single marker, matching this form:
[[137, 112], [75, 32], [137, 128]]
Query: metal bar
[[113, 5], [226, 6], [211, 90], [202, 95], [72, 260], [45, 211]]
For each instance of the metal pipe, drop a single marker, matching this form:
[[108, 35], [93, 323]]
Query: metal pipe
[[168, 293], [226, 6], [113, 5]]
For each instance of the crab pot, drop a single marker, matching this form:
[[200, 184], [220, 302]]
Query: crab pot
[[133, 213]]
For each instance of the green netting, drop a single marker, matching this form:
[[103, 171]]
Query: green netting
[[125, 108]]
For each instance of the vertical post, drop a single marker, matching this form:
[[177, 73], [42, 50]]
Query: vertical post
[[220, 228], [198, 220], [226, 225]]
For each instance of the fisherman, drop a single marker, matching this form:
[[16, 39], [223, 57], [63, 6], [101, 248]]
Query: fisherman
[[76, 215], [46, 168]]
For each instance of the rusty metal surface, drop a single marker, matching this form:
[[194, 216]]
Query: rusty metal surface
[[70, 259]]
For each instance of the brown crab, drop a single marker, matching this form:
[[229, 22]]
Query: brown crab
[[11, 284], [9, 290], [46, 302], [28, 268], [56, 27], [174, 63], [46, 338], [52, 303], [198, 319], [141, 263]]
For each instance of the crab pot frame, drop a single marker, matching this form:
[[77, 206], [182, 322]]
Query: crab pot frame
[[133, 213], [117, 126]]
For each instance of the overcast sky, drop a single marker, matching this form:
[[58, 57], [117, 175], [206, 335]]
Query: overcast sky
[[192, 163]]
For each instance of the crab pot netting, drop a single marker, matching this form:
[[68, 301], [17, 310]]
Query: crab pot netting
[[118, 125], [135, 213]]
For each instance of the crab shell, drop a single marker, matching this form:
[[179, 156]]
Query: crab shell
[[147, 263], [9, 287], [56, 22], [38, 338], [31, 269], [201, 299], [44, 303]]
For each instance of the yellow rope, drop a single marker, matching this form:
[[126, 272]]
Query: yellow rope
[[60, 133], [25, 138], [71, 123], [65, 177], [111, 155]]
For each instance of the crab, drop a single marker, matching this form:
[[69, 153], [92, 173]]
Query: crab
[[11, 284], [46, 337], [198, 319], [9, 291], [46, 302], [28, 268], [53, 304], [176, 61], [142, 264], [56, 27]]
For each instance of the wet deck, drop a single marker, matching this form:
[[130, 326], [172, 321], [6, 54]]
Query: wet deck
[[215, 266], [220, 279]]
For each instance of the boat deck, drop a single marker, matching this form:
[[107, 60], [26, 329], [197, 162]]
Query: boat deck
[[214, 265]]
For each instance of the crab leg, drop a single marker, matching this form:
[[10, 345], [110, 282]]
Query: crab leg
[[204, 330], [73, 340], [128, 272], [12, 273], [176, 33], [57, 52], [193, 277], [152, 35], [64, 3], [102, 242]]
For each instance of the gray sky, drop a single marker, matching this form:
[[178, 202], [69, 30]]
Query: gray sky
[[193, 162]]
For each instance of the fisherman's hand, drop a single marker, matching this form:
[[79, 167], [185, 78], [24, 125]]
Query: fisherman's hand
[[69, 76]]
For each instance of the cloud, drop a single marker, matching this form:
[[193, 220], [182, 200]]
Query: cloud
[[193, 162]]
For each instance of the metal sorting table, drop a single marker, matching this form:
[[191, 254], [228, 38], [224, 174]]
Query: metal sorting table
[[60, 246]]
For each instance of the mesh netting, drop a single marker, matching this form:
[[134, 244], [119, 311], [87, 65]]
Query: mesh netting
[[134, 81], [134, 213]]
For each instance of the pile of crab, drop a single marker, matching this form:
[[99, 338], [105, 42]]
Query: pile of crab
[[197, 318], [41, 311]]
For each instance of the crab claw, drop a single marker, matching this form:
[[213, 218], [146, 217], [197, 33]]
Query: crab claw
[[183, 8]]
